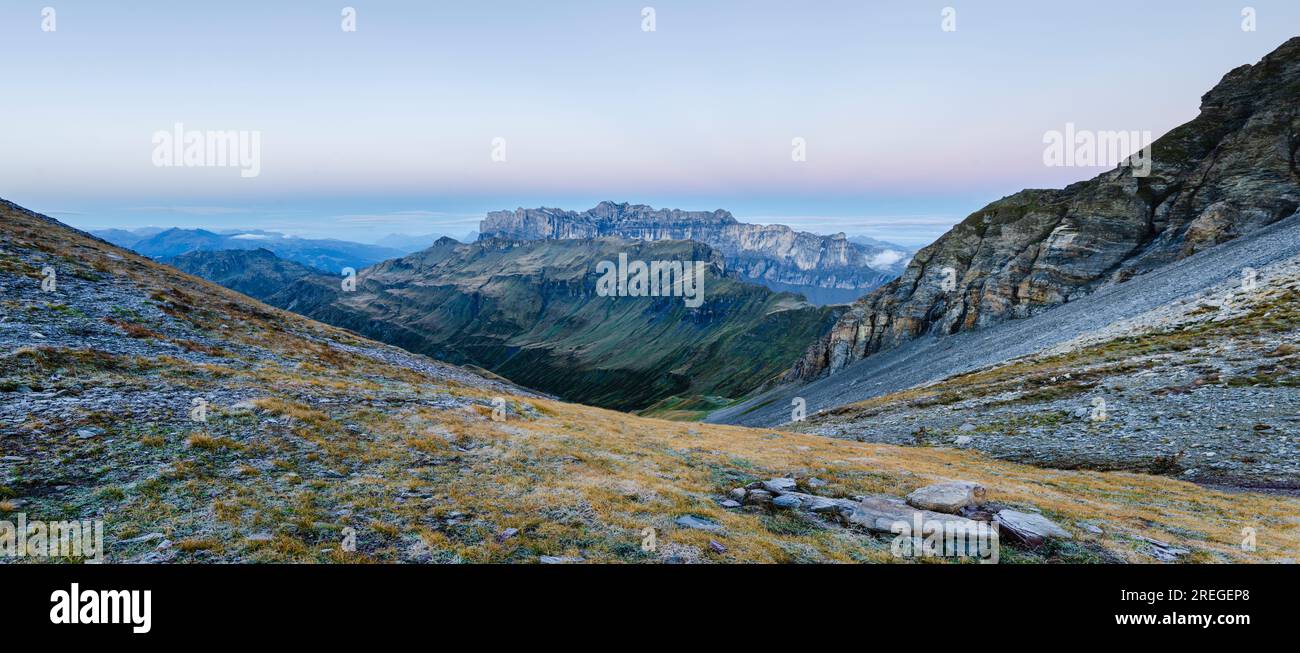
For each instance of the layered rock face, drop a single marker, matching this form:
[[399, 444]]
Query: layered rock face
[[1228, 172], [827, 269]]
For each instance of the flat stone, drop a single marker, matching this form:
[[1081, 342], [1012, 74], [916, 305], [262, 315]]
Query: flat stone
[[144, 538], [1089, 527], [779, 485], [787, 502], [947, 497], [1027, 527], [814, 503], [729, 503], [87, 433], [1162, 551], [558, 560], [717, 546], [698, 523]]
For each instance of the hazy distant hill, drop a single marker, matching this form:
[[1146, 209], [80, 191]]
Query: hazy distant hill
[[127, 237], [328, 255], [411, 243]]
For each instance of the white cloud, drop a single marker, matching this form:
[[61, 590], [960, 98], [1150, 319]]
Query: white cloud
[[886, 258]]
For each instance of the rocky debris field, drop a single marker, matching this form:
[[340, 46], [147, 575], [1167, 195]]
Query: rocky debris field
[[932, 359], [1204, 389]]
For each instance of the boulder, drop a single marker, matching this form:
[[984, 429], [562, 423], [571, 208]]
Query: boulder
[[947, 497], [786, 501], [814, 503], [758, 498], [1027, 527], [779, 485]]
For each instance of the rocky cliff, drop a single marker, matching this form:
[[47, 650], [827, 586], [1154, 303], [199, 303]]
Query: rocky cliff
[[826, 269], [1228, 172]]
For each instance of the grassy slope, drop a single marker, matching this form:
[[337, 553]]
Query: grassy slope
[[398, 451], [529, 312]]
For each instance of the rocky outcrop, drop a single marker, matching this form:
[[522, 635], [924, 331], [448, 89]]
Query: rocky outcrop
[[826, 269], [1230, 171]]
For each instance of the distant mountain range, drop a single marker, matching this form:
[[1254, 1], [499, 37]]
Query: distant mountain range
[[324, 254], [530, 312], [410, 243], [825, 269]]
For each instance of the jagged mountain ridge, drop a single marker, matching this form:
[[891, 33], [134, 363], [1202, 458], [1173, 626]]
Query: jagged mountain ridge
[[1228, 172], [827, 269]]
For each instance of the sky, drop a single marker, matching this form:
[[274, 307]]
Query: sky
[[907, 126]]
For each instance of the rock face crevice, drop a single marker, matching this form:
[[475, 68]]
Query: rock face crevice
[[827, 269], [1226, 173]]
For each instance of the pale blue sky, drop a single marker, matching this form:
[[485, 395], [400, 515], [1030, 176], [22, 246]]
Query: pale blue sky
[[389, 129]]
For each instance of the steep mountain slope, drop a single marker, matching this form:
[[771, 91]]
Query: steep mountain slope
[[325, 254], [826, 269], [1204, 388], [923, 361], [257, 272], [1229, 172], [314, 439], [531, 313]]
